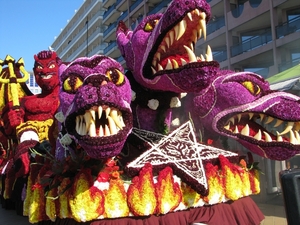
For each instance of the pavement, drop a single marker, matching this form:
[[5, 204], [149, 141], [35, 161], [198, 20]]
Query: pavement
[[274, 212]]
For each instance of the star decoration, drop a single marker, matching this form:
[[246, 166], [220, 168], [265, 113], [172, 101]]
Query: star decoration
[[181, 152]]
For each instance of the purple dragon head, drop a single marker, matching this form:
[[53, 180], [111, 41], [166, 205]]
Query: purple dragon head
[[242, 106], [95, 100], [160, 51]]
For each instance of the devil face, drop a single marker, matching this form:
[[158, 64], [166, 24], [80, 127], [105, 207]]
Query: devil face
[[46, 70]]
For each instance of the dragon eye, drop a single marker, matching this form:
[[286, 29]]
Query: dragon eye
[[115, 76], [253, 88], [150, 25], [71, 84]]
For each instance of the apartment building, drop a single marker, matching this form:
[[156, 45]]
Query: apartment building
[[245, 35], [261, 36]]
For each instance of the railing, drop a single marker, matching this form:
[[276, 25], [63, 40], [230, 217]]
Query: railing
[[110, 47], [134, 5], [118, 2], [220, 56], [123, 16], [109, 29], [288, 27], [286, 65], [215, 25], [251, 43], [158, 7], [109, 10]]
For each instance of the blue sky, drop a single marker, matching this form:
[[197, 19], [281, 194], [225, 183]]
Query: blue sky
[[29, 26]]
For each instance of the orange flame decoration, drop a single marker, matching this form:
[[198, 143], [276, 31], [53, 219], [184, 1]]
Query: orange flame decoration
[[87, 202], [215, 184], [64, 192], [37, 211], [233, 182], [190, 197], [254, 181], [141, 194], [105, 196], [51, 204], [168, 192], [116, 200], [244, 173]]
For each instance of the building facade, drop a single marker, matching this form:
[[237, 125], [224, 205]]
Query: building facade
[[261, 36]]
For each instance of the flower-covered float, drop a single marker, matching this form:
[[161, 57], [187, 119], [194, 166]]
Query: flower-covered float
[[126, 150]]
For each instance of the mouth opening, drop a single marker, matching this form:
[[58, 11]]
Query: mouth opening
[[261, 127], [176, 50]]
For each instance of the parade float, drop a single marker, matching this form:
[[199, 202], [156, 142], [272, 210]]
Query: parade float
[[137, 147]]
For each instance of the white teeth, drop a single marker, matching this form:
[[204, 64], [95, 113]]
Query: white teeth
[[279, 138], [261, 117], [157, 57], [269, 120], [106, 131], [251, 115], [99, 112], [293, 139], [297, 136], [202, 24], [180, 29], [86, 124], [167, 40], [258, 135], [93, 114], [288, 128], [278, 123], [171, 34], [175, 64], [107, 111], [239, 116], [197, 12], [169, 65], [202, 58], [112, 126], [159, 67], [153, 70], [101, 131], [227, 127], [183, 62], [236, 130], [190, 16], [191, 54], [115, 117], [209, 56], [92, 129], [245, 131], [267, 137], [163, 48]]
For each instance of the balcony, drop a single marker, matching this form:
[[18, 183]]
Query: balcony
[[107, 3], [288, 27], [110, 15], [158, 7], [251, 43], [109, 33], [216, 24]]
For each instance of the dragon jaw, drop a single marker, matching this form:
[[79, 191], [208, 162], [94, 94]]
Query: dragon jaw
[[268, 124], [95, 101], [160, 51]]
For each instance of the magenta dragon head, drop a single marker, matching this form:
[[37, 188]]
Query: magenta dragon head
[[160, 50], [242, 106], [95, 101]]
